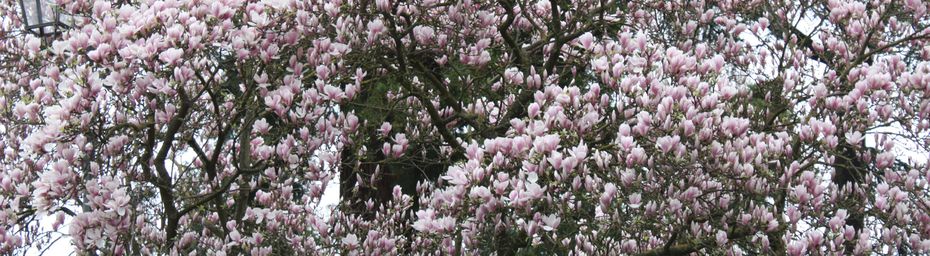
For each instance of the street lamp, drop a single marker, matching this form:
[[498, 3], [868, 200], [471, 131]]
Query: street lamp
[[43, 17]]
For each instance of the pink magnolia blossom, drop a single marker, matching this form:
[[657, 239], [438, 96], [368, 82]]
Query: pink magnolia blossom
[[171, 56]]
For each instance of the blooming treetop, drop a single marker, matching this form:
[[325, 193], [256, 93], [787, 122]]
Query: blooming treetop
[[551, 126]]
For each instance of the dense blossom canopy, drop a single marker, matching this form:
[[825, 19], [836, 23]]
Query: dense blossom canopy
[[643, 127]]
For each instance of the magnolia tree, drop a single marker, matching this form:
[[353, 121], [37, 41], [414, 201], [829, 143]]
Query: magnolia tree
[[468, 127]]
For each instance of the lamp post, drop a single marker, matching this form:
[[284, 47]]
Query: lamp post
[[43, 17]]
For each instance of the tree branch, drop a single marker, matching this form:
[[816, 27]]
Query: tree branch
[[694, 245], [164, 179], [207, 163]]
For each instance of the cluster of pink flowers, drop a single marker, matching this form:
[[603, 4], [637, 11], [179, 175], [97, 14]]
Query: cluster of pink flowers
[[451, 127]]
